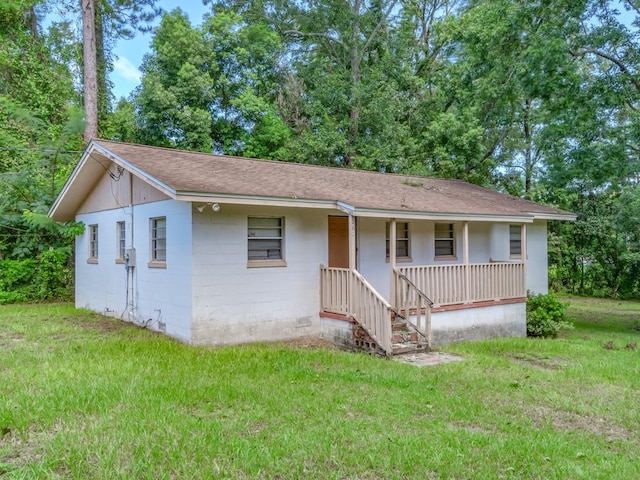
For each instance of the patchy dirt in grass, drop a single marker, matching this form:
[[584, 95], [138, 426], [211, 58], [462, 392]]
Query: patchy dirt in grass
[[541, 416], [311, 343], [99, 323], [428, 359], [418, 359], [24, 448], [9, 340], [553, 363], [473, 428]]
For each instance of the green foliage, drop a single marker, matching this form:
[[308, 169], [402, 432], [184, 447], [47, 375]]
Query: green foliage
[[54, 277], [49, 276], [39, 137], [546, 316], [599, 255], [16, 280], [211, 88]]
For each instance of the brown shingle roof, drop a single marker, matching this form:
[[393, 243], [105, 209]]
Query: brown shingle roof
[[199, 173]]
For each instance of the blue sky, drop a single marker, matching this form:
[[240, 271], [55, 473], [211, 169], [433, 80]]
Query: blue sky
[[128, 53]]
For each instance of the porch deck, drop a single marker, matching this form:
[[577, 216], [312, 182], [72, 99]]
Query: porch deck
[[415, 290]]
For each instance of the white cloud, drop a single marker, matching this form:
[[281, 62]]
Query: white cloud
[[126, 70]]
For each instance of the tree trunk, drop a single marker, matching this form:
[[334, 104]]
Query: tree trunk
[[354, 114], [90, 69], [101, 68]]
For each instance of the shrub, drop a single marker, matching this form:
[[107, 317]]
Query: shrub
[[16, 280], [546, 316], [49, 277], [54, 275]]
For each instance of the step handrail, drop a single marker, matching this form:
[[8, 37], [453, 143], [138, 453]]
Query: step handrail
[[422, 324], [346, 292], [418, 291]]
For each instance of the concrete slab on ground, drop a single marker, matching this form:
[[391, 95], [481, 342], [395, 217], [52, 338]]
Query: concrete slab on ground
[[427, 359]]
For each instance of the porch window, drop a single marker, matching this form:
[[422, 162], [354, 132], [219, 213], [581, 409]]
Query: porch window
[[121, 241], [158, 242], [402, 240], [93, 244], [515, 241], [444, 240], [265, 238]]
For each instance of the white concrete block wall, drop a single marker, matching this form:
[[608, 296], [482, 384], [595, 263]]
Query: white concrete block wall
[[163, 295], [371, 258], [538, 257], [371, 248], [235, 303], [537, 254], [479, 242], [499, 242], [101, 286], [160, 295], [479, 323]]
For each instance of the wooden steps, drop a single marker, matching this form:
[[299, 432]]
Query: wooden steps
[[404, 339]]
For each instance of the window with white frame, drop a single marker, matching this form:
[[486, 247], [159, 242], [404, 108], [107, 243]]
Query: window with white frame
[[93, 243], [444, 240], [121, 232], [265, 237], [159, 239], [515, 241], [402, 239]]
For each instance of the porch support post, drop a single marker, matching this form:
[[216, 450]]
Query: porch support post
[[523, 255], [352, 242], [392, 259], [465, 261]]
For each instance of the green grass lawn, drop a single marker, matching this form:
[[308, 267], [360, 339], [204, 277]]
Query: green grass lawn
[[83, 396]]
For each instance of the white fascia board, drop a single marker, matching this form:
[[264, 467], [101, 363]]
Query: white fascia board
[[65, 188], [254, 200], [163, 187], [451, 217], [555, 216], [346, 208]]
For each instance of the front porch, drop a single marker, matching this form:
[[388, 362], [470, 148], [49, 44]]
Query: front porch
[[451, 289], [435, 302]]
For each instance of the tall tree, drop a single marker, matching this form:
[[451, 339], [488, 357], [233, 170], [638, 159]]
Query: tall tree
[[211, 88], [38, 129], [90, 70], [103, 22]]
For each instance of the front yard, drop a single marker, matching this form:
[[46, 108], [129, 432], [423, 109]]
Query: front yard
[[83, 396]]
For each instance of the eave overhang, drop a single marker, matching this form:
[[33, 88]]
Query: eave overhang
[[568, 217], [253, 200], [346, 208], [93, 163], [163, 187]]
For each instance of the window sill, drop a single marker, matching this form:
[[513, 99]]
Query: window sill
[[266, 263], [157, 264], [515, 257], [92, 261], [401, 260], [446, 258], [120, 261]]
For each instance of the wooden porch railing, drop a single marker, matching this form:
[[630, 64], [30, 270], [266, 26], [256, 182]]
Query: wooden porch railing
[[347, 292], [408, 298], [475, 282]]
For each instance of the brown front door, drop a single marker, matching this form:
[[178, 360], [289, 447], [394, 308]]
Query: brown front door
[[339, 242]]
